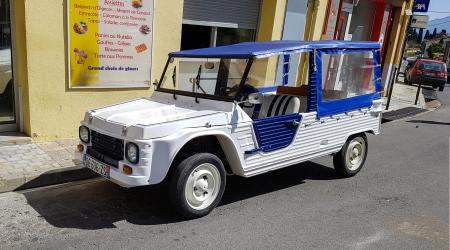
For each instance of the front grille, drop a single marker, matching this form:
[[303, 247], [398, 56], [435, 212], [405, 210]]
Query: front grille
[[106, 146]]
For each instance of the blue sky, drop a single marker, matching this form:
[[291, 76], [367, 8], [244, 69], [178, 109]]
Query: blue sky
[[439, 5]]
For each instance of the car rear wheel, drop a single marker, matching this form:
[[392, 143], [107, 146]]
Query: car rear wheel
[[350, 159], [197, 185]]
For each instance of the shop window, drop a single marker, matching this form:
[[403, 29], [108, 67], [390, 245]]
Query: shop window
[[347, 75], [199, 36], [195, 37], [5, 25], [361, 24]]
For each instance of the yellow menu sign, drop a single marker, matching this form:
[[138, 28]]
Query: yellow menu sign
[[110, 43]]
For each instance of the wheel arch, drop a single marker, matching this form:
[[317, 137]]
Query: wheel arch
[[216, 143], [362, 132]]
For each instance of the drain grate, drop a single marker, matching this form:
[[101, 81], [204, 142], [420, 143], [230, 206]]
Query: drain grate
[[401, 113]]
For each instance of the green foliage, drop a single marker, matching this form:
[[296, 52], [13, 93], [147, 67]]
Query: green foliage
[[434, 49], [427, 35], [434, 33]]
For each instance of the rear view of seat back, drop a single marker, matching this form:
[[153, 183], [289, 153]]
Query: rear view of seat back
[[275, 105]]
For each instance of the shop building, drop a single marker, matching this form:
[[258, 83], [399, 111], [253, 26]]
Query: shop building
[[36, 94]]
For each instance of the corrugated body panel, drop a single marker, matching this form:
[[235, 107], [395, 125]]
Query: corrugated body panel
[[229, 13], [244, 137], [314, 138], [276, 132]]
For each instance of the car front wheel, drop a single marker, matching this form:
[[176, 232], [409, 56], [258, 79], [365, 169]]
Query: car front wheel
[[349, 161], [197, 185]]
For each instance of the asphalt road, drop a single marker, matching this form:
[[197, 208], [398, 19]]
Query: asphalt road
[[400, 200]]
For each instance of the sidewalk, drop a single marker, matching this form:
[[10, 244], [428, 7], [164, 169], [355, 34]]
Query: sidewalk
[[27, 165], [404, 96]]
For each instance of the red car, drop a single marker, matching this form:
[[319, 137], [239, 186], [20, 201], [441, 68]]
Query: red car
[[429, 72]]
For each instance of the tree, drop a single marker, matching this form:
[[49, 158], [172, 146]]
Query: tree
[[419, 36], [427, 35], [434, 34], [443, 32], [414, 35], [434, 49]]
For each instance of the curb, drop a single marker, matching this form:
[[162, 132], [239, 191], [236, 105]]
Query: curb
[[52, 177]]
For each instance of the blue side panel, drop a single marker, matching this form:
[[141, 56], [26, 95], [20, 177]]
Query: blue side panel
[[276, 132], [377, 62], [312, 84], [326, 108]]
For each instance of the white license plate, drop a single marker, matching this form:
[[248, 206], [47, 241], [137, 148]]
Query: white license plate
[[429, 74], [97, 166]]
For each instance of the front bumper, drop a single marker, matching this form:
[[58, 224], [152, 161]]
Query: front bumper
[[121, 179], [139, 177]]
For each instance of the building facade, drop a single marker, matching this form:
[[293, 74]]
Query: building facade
[[36, 96]]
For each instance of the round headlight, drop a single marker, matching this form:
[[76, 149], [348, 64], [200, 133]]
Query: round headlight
[[132, 152], [84, 134]]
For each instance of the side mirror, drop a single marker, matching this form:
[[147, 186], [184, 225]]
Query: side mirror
[[255, 98]]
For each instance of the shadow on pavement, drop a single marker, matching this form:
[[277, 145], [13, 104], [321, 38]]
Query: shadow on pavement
[[429, 122], [100, 204]]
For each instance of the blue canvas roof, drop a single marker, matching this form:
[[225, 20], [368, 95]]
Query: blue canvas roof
[[264, 49]]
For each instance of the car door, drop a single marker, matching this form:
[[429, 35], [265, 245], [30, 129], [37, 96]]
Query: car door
[[277, 123]]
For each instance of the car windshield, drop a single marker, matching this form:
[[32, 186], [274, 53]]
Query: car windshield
[[221, 77], [204, 76], [431, 66]]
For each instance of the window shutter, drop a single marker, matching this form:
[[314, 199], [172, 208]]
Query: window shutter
[[220, 13]]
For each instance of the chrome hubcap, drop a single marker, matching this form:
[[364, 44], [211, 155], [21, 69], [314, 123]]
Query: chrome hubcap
[[355, 153], [202, 186]]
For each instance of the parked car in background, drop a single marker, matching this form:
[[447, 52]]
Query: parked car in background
[[429, 72], [406, 65], [410, 62]]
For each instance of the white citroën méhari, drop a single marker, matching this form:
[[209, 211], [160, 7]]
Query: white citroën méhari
[[239, 109]]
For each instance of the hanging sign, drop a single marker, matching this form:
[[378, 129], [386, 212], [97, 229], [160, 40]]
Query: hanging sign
[[419, 21], [110, 43], [421, 5]]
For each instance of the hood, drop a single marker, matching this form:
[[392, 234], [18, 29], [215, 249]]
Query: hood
[[146, 112], [151, 118]]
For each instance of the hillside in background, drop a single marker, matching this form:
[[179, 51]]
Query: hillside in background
[[440, 24]]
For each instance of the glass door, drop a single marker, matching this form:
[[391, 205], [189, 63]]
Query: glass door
[[344, 20], [8, 119]]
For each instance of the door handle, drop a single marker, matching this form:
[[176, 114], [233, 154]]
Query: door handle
[[293, 123]]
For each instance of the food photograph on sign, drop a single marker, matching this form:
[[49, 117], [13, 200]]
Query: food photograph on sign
[[110, 43]]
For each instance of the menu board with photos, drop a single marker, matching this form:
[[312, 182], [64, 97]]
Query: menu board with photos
[[110, 43]]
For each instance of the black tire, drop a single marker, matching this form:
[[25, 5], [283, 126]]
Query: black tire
[[342, 164], [180, 178], [441, 88]]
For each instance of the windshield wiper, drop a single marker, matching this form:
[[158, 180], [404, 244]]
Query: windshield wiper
[[197, 83], [174, 80]]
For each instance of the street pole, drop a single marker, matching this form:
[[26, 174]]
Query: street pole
[[418, 90], [391, 88]]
